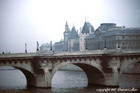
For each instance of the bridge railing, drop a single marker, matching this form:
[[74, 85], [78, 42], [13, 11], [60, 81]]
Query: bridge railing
[[118, 51], [18, 55], [79, 52]]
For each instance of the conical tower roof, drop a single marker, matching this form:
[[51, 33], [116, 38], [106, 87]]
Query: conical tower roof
[[73, 33], [85, 28]]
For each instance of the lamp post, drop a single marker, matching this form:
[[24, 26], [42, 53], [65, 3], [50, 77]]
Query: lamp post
[[51, 46], [118, 44], [86, 45], [37, 46], [25, 48], [105, 43]]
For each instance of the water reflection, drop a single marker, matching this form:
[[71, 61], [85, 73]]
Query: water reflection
[[14, 81], [69, 79]]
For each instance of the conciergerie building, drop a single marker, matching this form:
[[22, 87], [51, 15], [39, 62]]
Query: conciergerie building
[[107, 35]]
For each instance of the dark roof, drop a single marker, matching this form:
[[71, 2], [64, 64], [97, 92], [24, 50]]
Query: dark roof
[[73, 33], [85, 29], [111, 24], [123, 31], [66, 23], [106, 26], [88, 24]]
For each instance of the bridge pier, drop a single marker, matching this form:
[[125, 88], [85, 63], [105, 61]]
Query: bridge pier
[[116, 76], [112, 78], [41, 81]]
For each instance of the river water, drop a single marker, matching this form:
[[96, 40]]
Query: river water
[[14, 81]]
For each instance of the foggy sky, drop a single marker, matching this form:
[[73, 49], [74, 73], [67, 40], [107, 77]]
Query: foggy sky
[[28, 21]]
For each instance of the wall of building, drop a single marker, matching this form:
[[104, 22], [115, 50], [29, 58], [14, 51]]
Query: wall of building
[[106, 35], [59, 46]]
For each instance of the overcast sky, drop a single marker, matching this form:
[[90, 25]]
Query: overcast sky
[[28, 21]]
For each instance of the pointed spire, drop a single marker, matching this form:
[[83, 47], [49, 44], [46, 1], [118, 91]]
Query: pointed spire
[[85, 28], [66, 27], [66, 23]]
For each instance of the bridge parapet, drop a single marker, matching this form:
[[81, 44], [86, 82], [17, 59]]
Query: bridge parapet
[[118, 51], [98, 52], [24, 54]]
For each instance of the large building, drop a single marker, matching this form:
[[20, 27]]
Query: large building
[[72, 40], [59, 46], [45, 47], [110, 36], [106, 36]]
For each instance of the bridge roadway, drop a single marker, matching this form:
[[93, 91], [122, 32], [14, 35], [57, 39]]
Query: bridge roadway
[[102, 67]]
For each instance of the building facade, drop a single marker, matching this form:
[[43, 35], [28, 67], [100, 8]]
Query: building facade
[[84, 33], [106, 36], [45, 47], [110, 36], [59, 46]]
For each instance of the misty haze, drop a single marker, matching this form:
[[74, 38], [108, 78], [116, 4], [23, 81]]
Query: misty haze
[[29, 21]]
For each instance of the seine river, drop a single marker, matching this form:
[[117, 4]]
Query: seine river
[[14, 81]]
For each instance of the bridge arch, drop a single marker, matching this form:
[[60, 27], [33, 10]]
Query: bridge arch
[[130, 74], [127, 63], [30, 78], [92, 70]]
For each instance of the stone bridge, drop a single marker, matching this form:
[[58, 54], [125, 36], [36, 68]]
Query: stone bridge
[[102, 68]]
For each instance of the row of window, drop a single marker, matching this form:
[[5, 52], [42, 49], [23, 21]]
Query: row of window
[[123, 37], [130, 43], [111, 44], [130, 47], [130, 37]]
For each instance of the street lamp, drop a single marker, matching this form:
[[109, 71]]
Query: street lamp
[[50, 45], [25, 48], [37, 46]]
